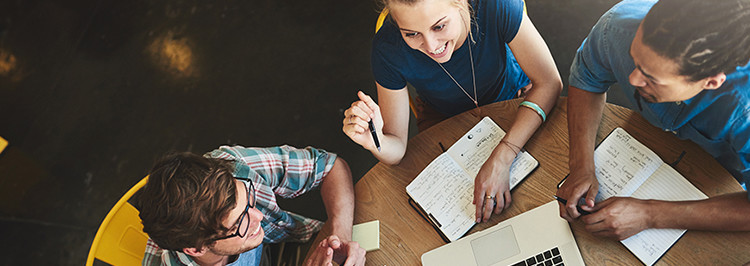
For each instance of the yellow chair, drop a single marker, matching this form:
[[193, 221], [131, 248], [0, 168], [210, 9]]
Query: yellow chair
[[381, 19], [3, 144], [120, 239], [379, 23]]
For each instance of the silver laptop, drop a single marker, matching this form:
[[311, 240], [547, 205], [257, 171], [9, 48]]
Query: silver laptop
[[530, 238]]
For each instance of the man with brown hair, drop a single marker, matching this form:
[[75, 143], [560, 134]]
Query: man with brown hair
[[220, 208]]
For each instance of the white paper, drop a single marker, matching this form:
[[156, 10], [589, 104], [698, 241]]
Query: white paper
[[622, 164], [473, 149], [445, 188], [664, 184], [521, 167], [445, 191]]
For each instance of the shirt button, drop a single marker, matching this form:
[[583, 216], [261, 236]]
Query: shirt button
[[678, 102]]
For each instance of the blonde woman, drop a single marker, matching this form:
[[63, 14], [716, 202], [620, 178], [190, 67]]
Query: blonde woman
[[458, 55]]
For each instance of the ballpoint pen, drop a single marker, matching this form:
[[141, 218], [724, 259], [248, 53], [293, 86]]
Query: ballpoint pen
[[374, 135], [578, 207]]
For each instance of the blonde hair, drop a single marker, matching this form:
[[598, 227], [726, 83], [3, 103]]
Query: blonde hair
[[466, 11]]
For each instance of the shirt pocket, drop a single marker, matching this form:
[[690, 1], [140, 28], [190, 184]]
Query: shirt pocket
[[276, 231], [716, 146]]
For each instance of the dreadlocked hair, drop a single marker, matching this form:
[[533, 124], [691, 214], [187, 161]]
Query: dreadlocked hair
[[705, 38]]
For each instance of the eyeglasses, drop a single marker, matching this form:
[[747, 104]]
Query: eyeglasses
[[243, 224]]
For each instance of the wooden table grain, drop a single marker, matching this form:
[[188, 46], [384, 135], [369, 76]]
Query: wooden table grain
[[405, 236]]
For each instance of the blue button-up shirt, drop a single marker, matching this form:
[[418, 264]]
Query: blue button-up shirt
[[717, 120]]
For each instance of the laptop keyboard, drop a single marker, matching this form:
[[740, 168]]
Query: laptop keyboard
[[548, 258]]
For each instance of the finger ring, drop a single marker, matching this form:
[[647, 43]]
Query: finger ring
[[491, 197]]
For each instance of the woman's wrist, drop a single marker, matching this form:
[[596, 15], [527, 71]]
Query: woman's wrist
[[508, 152]]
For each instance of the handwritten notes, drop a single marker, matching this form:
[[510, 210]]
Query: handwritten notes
[[445, 188], [622, 164], [445, 191], [625, 167]]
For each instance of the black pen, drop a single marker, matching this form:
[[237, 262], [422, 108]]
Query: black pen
[[578, 207], [374, 135]]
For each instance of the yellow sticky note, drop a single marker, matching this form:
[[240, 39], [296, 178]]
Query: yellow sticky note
[[367, 235]]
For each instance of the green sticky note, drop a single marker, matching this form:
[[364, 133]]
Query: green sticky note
[[367, 235]]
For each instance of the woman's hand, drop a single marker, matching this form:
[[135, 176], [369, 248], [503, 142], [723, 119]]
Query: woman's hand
[[492, 184], [357, 118]]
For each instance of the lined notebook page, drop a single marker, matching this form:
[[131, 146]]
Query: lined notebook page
[[445, 191], [622, 164], [665, 184]]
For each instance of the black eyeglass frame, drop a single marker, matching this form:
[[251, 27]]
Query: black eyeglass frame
[[243, 216]]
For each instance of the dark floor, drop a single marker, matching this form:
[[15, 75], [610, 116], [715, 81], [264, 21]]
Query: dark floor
[[93, 91]]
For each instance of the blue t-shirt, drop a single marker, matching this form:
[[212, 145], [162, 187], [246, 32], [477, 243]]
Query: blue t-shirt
[[717, 120], [498, 75], [249, 258]]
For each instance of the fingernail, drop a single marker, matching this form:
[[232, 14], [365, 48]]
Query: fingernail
[[329, 252]]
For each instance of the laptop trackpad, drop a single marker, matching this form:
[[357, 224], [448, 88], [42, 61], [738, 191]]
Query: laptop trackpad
[[496, 246]]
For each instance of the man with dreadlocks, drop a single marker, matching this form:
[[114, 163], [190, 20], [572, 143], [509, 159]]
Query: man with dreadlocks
[[684, 66]]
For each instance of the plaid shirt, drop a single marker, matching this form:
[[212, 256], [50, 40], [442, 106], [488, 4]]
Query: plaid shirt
[[279, 171]]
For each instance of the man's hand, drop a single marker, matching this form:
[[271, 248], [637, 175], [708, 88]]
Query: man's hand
[[575, 187], [618, 217], [333, 249], [322, 256], [584, 115]]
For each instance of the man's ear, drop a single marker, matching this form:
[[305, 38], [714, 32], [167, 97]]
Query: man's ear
[[714, 82], [194, 251]]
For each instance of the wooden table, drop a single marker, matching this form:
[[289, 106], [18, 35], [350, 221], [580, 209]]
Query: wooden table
[[404, 235]]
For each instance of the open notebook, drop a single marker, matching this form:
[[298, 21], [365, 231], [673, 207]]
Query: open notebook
[[445, 188], [625, 167]]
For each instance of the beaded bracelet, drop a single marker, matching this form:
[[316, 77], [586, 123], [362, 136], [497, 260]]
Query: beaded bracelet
[[536, 108]]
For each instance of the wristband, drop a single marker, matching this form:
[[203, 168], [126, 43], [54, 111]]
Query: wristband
[[536, 108]]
